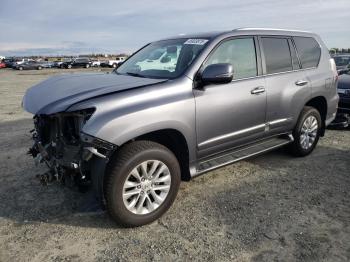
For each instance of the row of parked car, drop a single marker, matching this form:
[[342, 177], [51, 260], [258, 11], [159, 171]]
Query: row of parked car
[[82, 62]]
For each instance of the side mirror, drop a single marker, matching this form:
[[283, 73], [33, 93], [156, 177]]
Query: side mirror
[[217, 74]]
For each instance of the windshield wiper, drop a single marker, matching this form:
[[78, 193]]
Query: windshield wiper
[[135, 74]]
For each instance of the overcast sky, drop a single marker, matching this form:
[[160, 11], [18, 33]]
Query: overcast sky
[[81, 26]]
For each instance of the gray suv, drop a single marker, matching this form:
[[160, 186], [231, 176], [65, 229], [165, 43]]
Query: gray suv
[[178, 108]]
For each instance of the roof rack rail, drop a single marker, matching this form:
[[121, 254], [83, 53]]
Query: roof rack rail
[[268, 29]]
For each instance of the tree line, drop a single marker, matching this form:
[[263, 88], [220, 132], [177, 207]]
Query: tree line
[[336, 50]]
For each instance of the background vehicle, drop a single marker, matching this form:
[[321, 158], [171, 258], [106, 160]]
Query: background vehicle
[[342, 61], [9, 61], [19, 61], [59, 63], [46, 64], [29, 66], [135, 133], [2, 65], [343, 112], [113, 62], [77, 62], [165, 59], [96, 63]]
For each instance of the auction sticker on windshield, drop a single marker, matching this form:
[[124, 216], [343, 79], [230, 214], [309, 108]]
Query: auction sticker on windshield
[[196, 41]]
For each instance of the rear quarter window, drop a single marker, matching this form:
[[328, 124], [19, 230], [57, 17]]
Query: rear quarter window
[[309, 51]]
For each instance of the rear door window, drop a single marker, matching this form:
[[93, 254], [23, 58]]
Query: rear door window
[[277, 55], [309, 51]]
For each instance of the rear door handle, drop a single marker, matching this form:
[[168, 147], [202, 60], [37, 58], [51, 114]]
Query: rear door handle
[[257, 90], [301, 82]]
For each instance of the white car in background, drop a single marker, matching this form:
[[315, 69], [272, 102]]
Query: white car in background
[[165, 59], [23, 60], [96, 63], [113, 62]]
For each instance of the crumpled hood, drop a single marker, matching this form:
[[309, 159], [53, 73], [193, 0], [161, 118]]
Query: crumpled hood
[[58, 93]]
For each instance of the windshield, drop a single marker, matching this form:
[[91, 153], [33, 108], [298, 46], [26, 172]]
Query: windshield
[[164, 59], [342, 60]]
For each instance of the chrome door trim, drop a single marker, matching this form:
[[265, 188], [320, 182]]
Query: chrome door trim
[[233, 134], [278, 121], [246, 130]]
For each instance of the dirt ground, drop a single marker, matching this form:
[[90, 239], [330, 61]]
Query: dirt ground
[[270, 208]]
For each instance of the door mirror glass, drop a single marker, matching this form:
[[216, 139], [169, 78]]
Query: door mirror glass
[[217, 74]]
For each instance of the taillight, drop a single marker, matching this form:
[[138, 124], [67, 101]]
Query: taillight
[[334, 70], [333, 67]]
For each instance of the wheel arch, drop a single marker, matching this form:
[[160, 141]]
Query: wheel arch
[[176, 142], [320, 104]]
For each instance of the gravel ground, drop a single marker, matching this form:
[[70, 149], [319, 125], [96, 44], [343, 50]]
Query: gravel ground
[[270, 208]]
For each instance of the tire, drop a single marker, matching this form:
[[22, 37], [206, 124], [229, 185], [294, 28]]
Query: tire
[[119, 171], [20, 68], [39, 67], [114, 65], [87, 66], [69, 66], [301, 145]]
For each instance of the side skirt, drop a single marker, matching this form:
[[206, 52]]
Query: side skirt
[[241, 153]]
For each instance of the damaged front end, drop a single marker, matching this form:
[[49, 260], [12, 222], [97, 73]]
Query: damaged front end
[[60, 143]]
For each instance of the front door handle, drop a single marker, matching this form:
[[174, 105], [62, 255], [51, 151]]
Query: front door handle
[[257, 90], [301, 82]]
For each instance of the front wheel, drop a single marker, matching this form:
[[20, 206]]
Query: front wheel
[[142, 183], [307, 132]]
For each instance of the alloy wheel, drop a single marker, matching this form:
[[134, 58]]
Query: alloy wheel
[[308, 132], [146, 187]]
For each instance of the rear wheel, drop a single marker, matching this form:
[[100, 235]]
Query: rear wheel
[[142, 183], [20, 68], [87, 66], [39, 67], [114, 65], [69, 66], [307, 132]]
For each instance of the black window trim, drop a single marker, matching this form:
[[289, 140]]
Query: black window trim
[[257, 54], [293, 47]]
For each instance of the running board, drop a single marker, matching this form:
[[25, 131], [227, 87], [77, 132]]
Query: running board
[[242, 153]]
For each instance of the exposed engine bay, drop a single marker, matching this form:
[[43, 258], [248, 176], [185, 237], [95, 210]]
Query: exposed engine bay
[[60, 143]]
